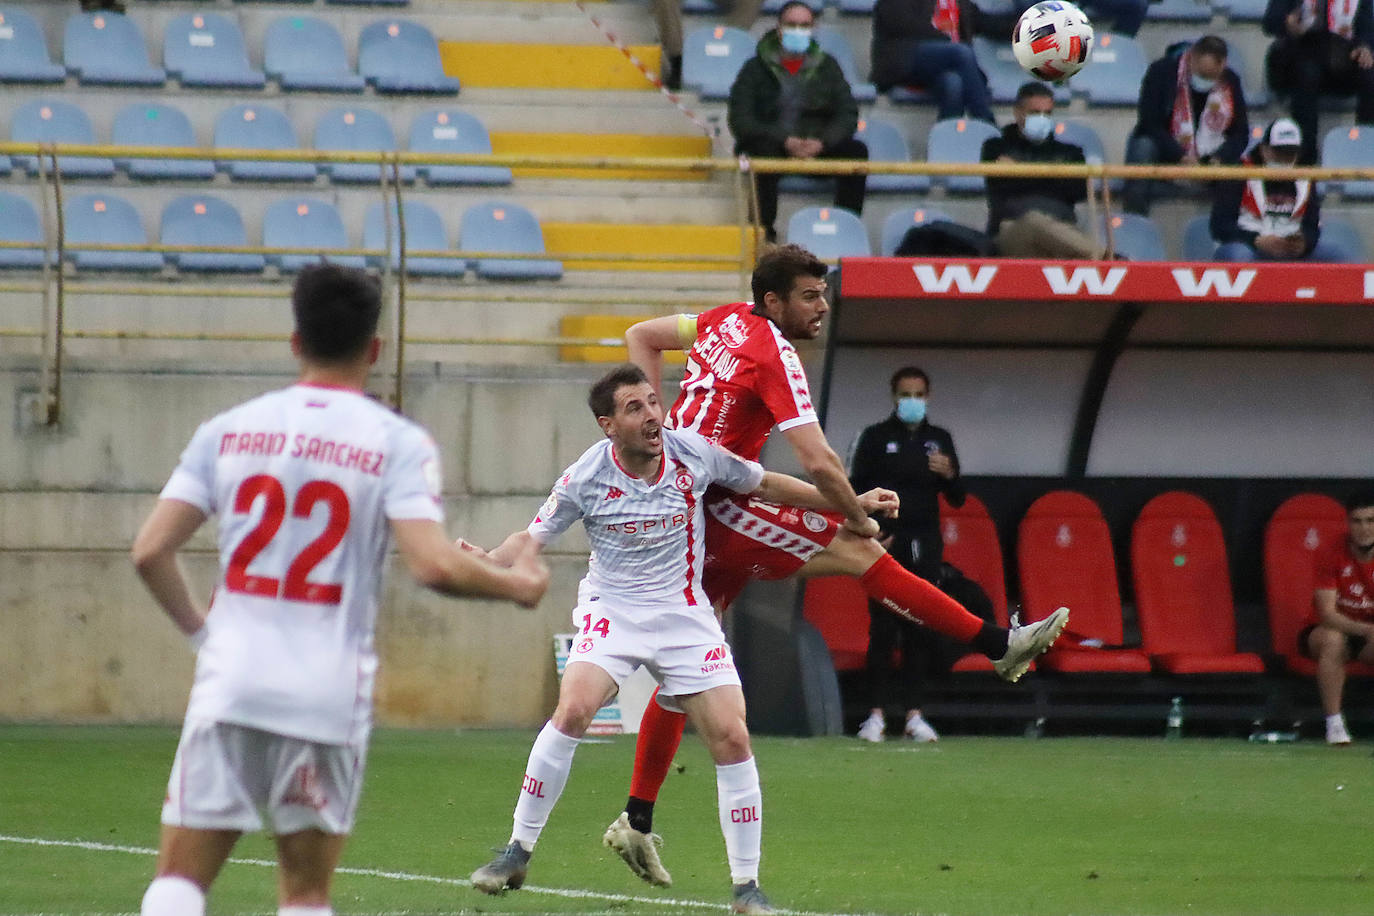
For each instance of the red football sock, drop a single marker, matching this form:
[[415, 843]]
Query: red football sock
[[660, 732], [912, 597]]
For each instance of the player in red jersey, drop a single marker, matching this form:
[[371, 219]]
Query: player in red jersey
[[743, 378]]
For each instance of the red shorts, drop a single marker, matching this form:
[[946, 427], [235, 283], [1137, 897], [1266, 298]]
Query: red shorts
[[749, 538]]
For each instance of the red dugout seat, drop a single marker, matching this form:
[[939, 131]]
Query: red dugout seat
[[1183, 589], [972, 546], [838, 608], [1064, 552], [1296, 532]]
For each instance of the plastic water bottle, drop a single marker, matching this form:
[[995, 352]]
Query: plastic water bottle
[[1173, 723], [1036, 729], [1259, 736]]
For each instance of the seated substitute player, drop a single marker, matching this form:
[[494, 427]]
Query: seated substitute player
[[310, 482], [744, 377], [639, 493], [1341, 628]]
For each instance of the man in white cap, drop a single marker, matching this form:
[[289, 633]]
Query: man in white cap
[[1267, 219]]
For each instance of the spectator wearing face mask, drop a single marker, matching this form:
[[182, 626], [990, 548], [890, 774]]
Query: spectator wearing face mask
[[791, 100], [1034, 217], [1271, 219], [1192, 112]]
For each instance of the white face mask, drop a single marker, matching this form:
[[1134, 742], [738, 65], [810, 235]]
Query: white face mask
[[1200, 84]]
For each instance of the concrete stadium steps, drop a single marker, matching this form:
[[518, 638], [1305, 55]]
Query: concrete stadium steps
[[607, 327], [529, 65], [642, 240], [597, 145]]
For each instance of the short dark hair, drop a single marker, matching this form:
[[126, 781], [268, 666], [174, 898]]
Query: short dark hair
[[1212, 46], [779, 267], [791, 3], [601, 399], [909, 372], [336, 311], [1033, 90], [1362, 499]]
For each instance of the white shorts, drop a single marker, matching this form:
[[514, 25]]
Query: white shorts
[[225, 777], [684, 650]]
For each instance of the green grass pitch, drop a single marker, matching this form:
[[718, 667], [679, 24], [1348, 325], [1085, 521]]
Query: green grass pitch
[[968, 826]]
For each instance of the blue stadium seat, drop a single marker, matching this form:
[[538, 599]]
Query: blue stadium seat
[[1344, 236], [356, 129], [311, 225], [54, 121], [1256, 95], [1113, 72], [1179, 11], [1349, 147], [828, 232], [399, 56], [1004, 74], [148, 124], [302, 52], [19, 223], [107, 49], [106, 219], [24, 51], [371, 2], [448, 130], [206, 49], [424, 232], [200, 219], [1082, 135], [494, 226], [1243, 10], [899, 221], [959, 140], [833, 42], [1198, 244], [856, 7], [711, 58], [886, 144], [1137, 237], [259, 127]]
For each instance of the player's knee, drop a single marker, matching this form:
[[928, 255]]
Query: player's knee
[[731, 744], [1328, 645], [573, 716], [173, 895]]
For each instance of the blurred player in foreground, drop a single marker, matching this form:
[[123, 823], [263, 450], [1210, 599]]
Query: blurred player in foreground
[[743, 378], [310, 483], [639, 493]]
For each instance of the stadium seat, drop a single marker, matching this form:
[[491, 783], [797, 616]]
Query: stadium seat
[[107, 49], [1243, 10], [55, 121], [148, 124], [1183, 589], [448, 130], [259, 127], [834, 43], [997, 60], [838, 607], [303, 52], [1137, 238], [311, 225], [1198, 244], [972, 547], [886, 144], [1065, 557], [356, 129], [505, 227], [829, 233], [19, 223], [399, 56], [1256, 95], [200, 219], [424, 232], [371, 2], [24, 50], [1345, 237], [856, 7], [1082, 135], [959, 140], [106, 219], [1179, 11], [712, 57], [1114, 71], [899, 221], [206, 49], [1349, 147]]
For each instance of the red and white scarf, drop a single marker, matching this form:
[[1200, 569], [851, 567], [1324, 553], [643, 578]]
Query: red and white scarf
[[1340, 16], [1267, 214], [946, 18], [1217, 111]]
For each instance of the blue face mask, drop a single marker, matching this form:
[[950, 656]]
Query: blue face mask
[[796, 40], [911, 410], [1038, 127], [1200, 83]]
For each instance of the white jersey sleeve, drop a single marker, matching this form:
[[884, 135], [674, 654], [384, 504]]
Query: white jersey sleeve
[[559, 511], [193, 480], [413, 482]]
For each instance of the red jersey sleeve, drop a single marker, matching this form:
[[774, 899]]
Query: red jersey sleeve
[[782, 385], [1328, 569]]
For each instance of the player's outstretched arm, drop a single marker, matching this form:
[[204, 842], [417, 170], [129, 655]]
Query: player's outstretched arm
[[438, 563], [647, 341], [167, 528], [826, 470]]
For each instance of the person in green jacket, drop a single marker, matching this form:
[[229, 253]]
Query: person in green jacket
[[791, 100]]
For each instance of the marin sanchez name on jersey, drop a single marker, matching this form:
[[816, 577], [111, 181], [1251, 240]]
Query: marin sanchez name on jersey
[[646, 535]]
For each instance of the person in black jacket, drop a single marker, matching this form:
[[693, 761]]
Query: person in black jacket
[[1034, 217], [791, 100], [927, 43], [1191, 111], [908, 454], [1322, 47]]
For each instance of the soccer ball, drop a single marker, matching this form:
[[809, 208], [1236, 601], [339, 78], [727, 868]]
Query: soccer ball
[[1052, 40]]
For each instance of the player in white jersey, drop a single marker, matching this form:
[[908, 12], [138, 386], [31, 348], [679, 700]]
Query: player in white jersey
[[310, 484], [639, 495]]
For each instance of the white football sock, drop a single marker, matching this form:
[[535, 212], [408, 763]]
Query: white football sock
[[545, 776], [741, 818], [173, 895], [305, 911], [1337, 719]]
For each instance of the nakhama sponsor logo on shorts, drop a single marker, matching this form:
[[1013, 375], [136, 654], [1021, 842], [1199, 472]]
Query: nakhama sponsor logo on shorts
[[717, 659]]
